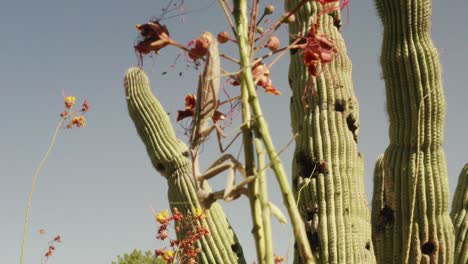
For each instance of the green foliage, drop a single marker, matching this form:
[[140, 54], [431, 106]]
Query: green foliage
[[138, 257]]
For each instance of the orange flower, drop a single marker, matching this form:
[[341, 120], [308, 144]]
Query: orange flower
[[85, 106], [162, 217], [319, 49], [261, 75], [156, 37], [168, 255], [199, 213], [78, 121], [278, 259], [200, 46], [69, 101], [190, 104]]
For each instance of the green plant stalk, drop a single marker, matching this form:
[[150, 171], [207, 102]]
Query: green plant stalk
[[33, 187], [415, 184], [325, 115], [249, 161], [264, 204], [170, 156], [240, 15], [459, 215]]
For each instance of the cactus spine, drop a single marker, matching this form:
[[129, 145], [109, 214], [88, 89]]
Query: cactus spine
[[414, 192], [331, 195], [170, 157], [459, 215]]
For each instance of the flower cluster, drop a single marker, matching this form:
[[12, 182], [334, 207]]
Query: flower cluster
[[278, 259], [261, 75], [76, 118], [318, 50], [50, 251], [189, 231]]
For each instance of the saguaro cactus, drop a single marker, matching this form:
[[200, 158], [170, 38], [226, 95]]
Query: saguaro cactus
[[327, 168], [414, 192], [459, 215], [170, 157]]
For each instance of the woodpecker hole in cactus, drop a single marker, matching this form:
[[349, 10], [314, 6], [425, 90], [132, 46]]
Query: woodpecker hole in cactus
[[311, 213], [351, 121], [235, 247], [368, 245], [428, 248], [337, 22], [310, 168], [385, 219], [160, 167], [292, 52], [340, 105], [314, 240], [185, 154]]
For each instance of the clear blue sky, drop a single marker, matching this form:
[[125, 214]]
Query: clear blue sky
[[96, 187]]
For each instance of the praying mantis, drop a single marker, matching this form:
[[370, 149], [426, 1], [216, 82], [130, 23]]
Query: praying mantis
[[203, 124]]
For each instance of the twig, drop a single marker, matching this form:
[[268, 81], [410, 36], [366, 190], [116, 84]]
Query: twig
[[36, 174]]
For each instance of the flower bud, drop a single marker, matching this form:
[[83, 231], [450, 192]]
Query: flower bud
[[273, 43], [290, 18], [269, 9], [223, 37]]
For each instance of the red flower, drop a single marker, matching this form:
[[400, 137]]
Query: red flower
[[190, 104], [319, 49], [261, 75], [200, 46], [85, 106], [156, 37]]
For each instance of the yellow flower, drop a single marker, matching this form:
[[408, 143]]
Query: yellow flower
[[162, 216], [69, 101], [199, 213], [79, 121], [168, 255]]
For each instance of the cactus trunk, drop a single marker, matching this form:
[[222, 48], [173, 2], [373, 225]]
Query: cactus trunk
[[414, 190], [459, 215], [171, 159], [327, 168]]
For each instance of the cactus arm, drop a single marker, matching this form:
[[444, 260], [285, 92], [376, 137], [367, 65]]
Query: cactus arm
[[416, 182], [332, 200], [459, 215], [170, 157]]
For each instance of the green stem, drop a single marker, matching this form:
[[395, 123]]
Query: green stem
[[265, 205], [255, 207], [240, 14], [36, 174]]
